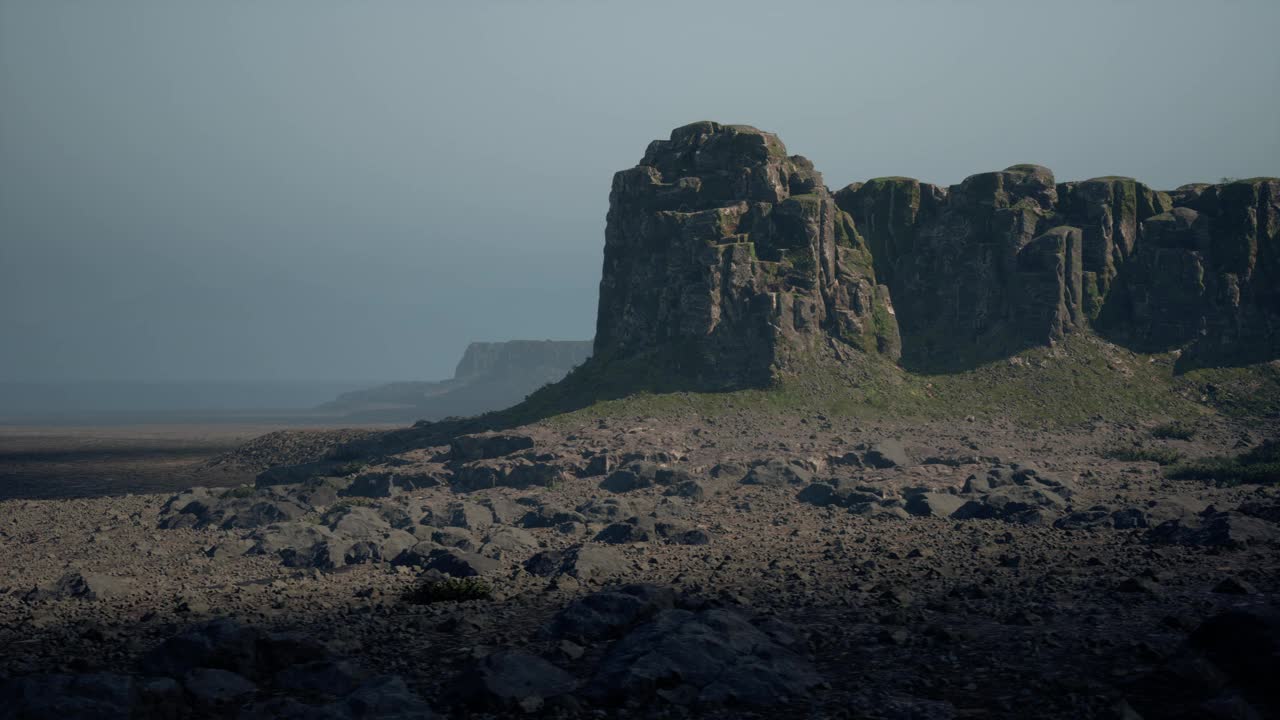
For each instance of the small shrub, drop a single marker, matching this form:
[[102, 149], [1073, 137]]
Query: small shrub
[[1173, 431], [353, 502], [1163, 456], [240, 491], [351, 468], [1226, 471], [449, 590]]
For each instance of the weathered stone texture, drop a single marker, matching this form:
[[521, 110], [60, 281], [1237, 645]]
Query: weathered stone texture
[[725, 255]]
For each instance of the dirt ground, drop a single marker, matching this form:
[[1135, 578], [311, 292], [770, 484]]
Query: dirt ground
[[1085, 605], [64, 461]]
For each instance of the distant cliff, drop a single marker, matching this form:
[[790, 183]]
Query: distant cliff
[[725, 258], [490, 376]]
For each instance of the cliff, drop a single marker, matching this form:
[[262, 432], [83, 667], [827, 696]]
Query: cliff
[[1009, 259], [724, 255], [490, 376], [726, 259]]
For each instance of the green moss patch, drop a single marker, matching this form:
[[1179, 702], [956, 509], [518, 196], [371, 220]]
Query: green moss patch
[[1176, 430], [449, 590], [1161, 455]]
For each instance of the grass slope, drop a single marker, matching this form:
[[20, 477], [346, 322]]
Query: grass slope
[[1082, 378]]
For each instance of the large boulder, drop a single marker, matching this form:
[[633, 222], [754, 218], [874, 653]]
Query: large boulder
[[513, 680], [706, 658], [483, 446]]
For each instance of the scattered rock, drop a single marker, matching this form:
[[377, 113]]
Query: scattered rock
[[710, 657], [1227, 530], [483, 446]]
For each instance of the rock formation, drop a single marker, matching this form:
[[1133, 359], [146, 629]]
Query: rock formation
[[1206, 276], [1010, 259], [724, 257]]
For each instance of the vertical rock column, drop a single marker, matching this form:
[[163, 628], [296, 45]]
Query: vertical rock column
[[725, 259]]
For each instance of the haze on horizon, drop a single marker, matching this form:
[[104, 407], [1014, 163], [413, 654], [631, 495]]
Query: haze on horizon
[[321, 190]]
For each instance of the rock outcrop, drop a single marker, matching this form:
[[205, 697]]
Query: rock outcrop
[[725, 257], [1011, 259], [1205, 277]]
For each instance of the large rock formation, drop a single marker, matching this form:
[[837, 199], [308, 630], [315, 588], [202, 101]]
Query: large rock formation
[[985, 267], [1205, 277], [725, 258], [1007, 260]]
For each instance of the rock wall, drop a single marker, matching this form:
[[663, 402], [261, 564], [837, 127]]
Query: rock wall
[[724, 256], [985, 267], [1205, 276], [1010, 259], [727, 257]]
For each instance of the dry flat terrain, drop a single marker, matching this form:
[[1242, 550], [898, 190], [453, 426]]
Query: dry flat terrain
[[751, 564], [51, 461]]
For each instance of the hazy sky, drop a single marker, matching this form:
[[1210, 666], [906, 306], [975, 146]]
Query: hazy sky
[[314, 189]]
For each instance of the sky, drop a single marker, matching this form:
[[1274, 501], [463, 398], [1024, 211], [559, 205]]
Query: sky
[[316, 190]]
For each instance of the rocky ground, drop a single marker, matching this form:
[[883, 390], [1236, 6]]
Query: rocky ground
[[748, 565]]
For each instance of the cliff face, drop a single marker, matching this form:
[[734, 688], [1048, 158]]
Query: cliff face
[[541, 358], [1008, 260], [723, 255], [490, 376], [982, 267], [1205, 276]]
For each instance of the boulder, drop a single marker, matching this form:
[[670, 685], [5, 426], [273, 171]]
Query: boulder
[[1227, 530], [607, 614], [934, 504], [482, 446], [886, 454], [83, 586], [108, 696], [213, 689], [513, 680], [709, 658], [460, 563], [633, 477], [777, 473], [584, 562]]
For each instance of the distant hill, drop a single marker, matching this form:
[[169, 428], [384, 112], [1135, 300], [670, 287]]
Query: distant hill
[[490, 376]]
